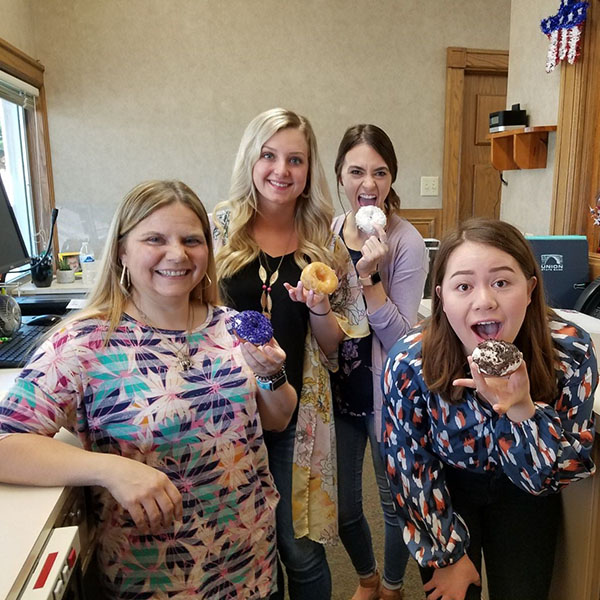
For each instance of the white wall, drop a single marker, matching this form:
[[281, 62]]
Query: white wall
[[527, 200], [141, 89]]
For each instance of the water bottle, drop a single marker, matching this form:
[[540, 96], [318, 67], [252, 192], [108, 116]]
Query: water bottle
[[88, 264]]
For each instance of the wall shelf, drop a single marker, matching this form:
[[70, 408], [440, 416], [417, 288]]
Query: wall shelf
[[524, 148]]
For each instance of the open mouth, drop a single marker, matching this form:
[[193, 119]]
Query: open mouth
[[367, 199], [487, 330]]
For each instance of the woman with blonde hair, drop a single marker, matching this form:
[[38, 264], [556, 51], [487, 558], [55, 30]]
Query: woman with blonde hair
[[165, 401], [276, 221]]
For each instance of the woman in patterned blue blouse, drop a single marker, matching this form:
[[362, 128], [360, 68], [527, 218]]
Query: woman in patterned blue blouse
[[477, 463]]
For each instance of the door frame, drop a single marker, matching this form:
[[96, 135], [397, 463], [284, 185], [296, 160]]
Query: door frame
[[459, 62], [577, 155]]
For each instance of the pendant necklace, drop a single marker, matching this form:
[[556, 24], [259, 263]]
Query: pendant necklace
[[266, 301], [267, 280], [184, 360]]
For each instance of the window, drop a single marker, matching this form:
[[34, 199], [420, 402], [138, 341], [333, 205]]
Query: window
[[25, 164], [14, 153]]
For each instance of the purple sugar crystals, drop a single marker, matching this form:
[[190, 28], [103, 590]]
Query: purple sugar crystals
[[252, 326]]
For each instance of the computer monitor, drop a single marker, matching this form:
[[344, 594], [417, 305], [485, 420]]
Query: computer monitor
[[563, 261], [13, 252]]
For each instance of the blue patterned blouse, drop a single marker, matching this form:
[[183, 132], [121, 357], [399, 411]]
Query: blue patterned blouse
[[423, 433]]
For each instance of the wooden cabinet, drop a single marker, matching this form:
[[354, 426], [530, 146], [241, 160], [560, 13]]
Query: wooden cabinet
[[576, 574], [525, 148]]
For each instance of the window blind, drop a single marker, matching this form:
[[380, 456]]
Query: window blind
[[17, 91]]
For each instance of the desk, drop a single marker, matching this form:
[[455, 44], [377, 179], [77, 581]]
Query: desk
[[73, 290], [27, 516]]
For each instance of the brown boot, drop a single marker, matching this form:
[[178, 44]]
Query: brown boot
[[371, 583], [386, 594]]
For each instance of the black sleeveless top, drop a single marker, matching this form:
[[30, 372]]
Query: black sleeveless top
[[242, 291]]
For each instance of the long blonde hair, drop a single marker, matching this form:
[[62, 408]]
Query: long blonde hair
[[314, 208], [108, 297]]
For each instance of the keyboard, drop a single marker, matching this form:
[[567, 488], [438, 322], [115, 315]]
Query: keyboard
[[15, 352]]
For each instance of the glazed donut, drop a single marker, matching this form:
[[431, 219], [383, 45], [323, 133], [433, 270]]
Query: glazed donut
[[497, 358], [319, 277], [253, 327], [367, 215]]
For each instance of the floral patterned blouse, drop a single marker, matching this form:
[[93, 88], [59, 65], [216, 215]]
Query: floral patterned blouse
[[423, 433], [200, 427]]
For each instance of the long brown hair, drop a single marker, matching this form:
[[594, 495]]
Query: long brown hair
[[443, 355], [378, 139]]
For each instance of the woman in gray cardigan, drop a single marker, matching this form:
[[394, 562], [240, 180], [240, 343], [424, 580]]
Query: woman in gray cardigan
[[392, 267]]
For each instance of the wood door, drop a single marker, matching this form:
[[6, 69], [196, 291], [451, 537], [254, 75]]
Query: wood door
[[479, 183], [460, 64]]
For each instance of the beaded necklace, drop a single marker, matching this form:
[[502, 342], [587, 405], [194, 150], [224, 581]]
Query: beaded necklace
[[183, 355]]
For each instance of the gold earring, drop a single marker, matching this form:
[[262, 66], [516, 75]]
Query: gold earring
[[125, 281], [209, 281]]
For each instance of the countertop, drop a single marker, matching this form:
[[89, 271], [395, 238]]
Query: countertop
[[26, 517]]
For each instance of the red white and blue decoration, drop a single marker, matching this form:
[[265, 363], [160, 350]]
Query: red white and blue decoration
[[564, 30]]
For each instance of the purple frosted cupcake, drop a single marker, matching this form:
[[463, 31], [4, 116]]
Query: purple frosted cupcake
[[252, 326]]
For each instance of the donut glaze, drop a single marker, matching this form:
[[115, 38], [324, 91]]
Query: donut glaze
[[252, 326], [319, 277], [367, 215], [497, 358]]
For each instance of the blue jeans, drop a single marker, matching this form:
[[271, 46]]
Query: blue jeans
[[352, 434], [305, 561]]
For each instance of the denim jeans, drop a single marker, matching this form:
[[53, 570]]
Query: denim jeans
[[352, 434], [305, 562], [515, 530]]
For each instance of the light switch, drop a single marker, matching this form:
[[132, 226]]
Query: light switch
[[430, 186]]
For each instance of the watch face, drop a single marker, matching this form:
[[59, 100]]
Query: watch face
[[371, 279]]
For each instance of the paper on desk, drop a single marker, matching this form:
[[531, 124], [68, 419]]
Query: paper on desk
[[76, 303]]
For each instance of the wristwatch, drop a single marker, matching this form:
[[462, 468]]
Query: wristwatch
[[271, 382], [371, 279]]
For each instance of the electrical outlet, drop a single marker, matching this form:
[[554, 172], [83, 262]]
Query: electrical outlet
[[430, 186]]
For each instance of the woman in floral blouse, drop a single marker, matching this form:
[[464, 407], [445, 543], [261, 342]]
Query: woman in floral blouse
[[164, 400], [476, 463]]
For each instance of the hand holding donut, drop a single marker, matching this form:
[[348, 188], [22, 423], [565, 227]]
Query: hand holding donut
[[374, 249], [506, 395], [265, 360], [317, 281], [318, 302]]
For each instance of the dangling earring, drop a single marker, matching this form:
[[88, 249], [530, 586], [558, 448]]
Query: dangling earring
[[209, 281], [125, 281]]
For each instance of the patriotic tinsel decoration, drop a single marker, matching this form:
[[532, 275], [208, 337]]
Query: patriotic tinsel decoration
[[564, 30]]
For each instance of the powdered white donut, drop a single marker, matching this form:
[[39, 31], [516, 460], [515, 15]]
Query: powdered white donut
[[367, 215]]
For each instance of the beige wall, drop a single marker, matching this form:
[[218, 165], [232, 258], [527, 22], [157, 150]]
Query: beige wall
[[142, 89], [527, 200], [16, 24]]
